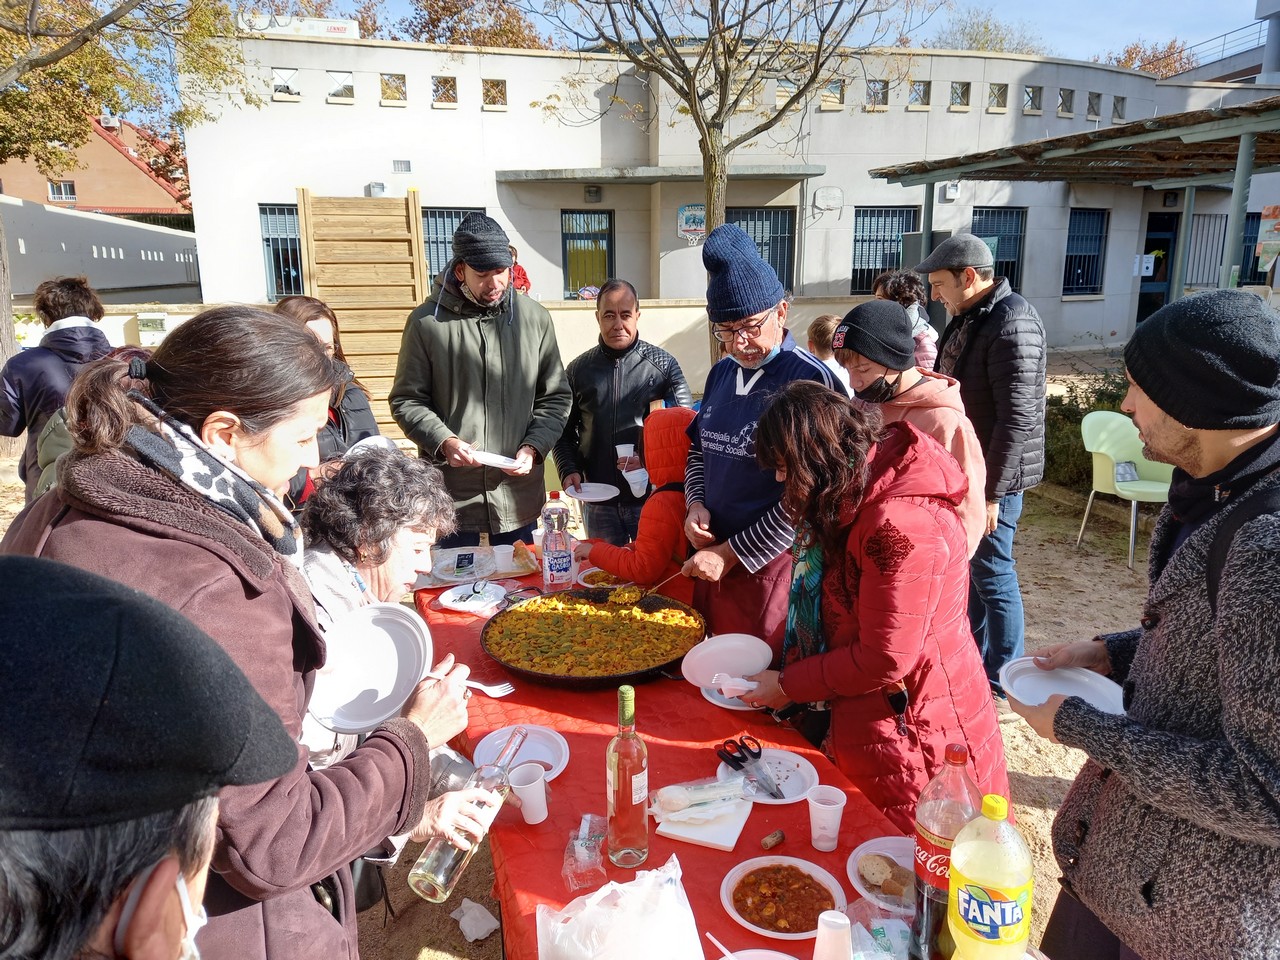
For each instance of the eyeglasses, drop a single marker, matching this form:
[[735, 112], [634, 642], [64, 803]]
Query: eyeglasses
[[753, 330]]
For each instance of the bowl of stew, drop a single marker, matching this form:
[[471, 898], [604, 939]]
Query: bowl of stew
[[780, 897]]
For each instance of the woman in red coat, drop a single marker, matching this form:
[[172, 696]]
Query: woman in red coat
[[877, 625]]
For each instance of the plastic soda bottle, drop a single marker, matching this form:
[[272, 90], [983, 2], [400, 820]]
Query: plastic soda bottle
[[991, 869], [557, 558], [948, 802]]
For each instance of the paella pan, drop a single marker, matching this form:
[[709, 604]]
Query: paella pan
[[592, 636]]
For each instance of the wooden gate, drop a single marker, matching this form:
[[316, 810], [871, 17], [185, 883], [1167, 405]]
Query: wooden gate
[[365, 258]]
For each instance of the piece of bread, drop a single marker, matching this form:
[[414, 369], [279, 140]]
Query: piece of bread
[[523, 557], [900, 883], [875, 869]]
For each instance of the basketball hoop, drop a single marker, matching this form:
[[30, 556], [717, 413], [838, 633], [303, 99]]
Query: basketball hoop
[[691, 223]]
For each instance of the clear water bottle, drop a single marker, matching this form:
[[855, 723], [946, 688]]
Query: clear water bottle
[[441, 864], [947, 803], [989, 913], [557, 556]]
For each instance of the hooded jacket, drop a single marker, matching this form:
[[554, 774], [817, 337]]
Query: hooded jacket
[[660, 547], [488, 375], [933, 405], [612, 390], [274, 839], [34, 384], [1001, 370], [895, 608]]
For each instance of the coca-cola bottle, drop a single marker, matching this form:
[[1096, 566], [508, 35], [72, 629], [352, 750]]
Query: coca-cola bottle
[[948, 802]]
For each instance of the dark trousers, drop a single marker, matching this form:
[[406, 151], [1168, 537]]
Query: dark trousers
[[471, 539], [1074, 933]]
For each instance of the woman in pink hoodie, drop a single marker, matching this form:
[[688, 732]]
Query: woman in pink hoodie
[[875, 344]]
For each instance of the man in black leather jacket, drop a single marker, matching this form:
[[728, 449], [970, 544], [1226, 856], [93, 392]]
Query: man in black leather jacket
[[994, 345], [614, 383]]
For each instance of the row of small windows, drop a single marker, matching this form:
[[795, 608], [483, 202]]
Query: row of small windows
[[393, 88], [920, 94], [587, 244], [153, 256]]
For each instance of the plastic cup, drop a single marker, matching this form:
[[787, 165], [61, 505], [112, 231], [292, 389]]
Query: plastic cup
[[504, 557], [826, 807], [529, 781], [625, 450], [639, 481]]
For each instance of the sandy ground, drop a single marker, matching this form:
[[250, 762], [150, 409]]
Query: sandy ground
[[1069, 594]]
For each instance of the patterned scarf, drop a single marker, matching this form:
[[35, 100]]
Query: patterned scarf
[[804, 609], [953, 347], [177, 451]]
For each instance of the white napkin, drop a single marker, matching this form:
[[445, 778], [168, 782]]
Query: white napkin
[[736, 687], [475, 921]]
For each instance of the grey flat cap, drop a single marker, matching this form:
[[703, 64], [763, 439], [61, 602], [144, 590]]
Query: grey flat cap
[[956, 253]]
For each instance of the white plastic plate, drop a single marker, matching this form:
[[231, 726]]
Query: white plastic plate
[[377, 655], [793, 774], [1026, 682], [901, 850], [712, 695], [582, 581], [542, 745], [732, 878], [492, 459], [592, 492], [737, 654], [465, 599]]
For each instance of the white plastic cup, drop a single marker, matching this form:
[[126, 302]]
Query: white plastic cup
[[529, 781], [504, 557], [627, 450], [826, 808], [639, 481]]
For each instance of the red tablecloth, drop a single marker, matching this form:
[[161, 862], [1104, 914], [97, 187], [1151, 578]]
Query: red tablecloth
[[681, 730]]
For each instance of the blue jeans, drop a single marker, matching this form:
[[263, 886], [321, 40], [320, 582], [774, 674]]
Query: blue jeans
[[995, 600], [612, 522], [465, 538]]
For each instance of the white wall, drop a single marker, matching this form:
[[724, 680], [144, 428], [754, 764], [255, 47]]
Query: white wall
[[121, 258]]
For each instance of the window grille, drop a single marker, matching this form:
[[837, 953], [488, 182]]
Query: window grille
[[1086, 252], [281, 249], [1032, 98], [438, 225], [402, 166], [65, 190], [1095, 105], [959, 93], [444, 89], [774, 231], [1066, 100], [877, 93], [1004, 228], [1249, 272], [586, 244], [998, 95], [340, 85], [877, 242], [920, 93], [1117, 108], [282, 81], [494, 92], [394, 87]]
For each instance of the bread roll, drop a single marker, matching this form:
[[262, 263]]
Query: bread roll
[[875, 869]]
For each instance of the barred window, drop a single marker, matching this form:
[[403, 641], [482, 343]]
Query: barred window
[[774, 231], [438, 225], [919, 93], [833, 93], [1117, 108], [494, 92], [1086, 252], [1094, 105], [444, 89], [282, 81], [281, 249], [1032, 98], [586, 243], [877, 242], [394, 87], [998, 95], [1003, 229], [960, 93], [1066, 100], [340, 85], [877, 93]]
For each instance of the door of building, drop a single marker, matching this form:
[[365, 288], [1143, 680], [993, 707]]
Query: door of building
[[1156, 263]]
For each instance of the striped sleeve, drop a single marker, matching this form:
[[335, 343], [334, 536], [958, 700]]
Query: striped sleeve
[[695, 486], [763, 540]]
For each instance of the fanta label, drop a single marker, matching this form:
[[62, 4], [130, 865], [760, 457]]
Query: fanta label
[[933, 858], [989, 914]]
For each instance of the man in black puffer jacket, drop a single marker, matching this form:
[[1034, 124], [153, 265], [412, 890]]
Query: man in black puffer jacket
[[994, 345], [613, 385]]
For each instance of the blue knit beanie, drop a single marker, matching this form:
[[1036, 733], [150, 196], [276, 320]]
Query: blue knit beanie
[[739, 283], [1211, 361]]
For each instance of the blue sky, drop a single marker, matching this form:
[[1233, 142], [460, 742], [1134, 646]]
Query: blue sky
[[1078, 29]]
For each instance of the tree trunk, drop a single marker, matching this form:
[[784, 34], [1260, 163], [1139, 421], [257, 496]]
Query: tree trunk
[[715, 174], [9, 446]]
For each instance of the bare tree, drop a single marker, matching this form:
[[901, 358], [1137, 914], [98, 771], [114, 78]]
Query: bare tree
[[714, 56]]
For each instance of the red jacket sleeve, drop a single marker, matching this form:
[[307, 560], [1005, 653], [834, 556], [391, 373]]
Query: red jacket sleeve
[[898, 555], [652, 556]]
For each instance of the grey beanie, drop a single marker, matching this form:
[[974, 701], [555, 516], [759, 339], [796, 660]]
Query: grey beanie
[[481, 243], [1210, 361], [956, 253], [739, 283], [879, 330]]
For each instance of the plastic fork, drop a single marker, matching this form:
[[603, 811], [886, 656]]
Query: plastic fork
[[736, 684], [494, 690]]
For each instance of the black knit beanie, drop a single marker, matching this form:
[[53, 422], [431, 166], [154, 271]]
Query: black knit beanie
[[739, 283], [879, 330], [1210, 361], [481, 243]]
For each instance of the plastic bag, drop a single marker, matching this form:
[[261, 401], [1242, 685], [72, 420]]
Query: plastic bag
[[645, 918], [583, 861]]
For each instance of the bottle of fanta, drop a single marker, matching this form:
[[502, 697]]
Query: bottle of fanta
[[989, 910]]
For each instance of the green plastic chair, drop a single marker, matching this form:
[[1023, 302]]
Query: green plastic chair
[[1112, 438]]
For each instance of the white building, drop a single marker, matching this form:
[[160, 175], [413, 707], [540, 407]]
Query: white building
[[588, 187]]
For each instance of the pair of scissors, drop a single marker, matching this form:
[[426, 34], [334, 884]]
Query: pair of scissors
[[743, 753]]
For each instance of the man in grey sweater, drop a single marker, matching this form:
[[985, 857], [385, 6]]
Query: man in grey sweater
[[1169, 839]]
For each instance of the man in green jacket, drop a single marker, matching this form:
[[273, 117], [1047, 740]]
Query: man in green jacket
[[479, 377]]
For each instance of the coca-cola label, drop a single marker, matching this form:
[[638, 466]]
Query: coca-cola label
[[933, 858]]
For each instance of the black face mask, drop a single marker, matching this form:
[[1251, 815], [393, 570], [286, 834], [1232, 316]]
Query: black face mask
[[879, 391]]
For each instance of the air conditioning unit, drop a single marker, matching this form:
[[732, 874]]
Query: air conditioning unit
[[109, 122]]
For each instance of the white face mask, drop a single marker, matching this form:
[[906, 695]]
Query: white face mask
[[193, 920]]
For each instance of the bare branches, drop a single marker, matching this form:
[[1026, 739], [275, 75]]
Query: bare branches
[[34, 58]]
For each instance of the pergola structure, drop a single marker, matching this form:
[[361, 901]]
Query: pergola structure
[[1225, 145]]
